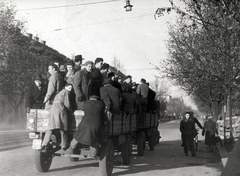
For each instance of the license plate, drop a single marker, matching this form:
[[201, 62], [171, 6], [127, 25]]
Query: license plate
[[37, 144], [32, 135]]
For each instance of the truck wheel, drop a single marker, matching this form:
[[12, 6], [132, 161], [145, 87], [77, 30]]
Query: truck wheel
[[152, 140], [141, 143], [106, 155], [74, 151], [126, 151], [43, 161]]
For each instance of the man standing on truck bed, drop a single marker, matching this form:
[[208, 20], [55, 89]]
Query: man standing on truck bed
[[111, 98], [55, 85], [35, 94], [83, 84]]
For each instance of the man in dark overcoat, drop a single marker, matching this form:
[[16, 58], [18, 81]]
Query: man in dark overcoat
[[111, 97], [97, 77], [89, 128], [35, 94], [187, 128], [129, 101], [83, 84], [115, 82], [151, 97]]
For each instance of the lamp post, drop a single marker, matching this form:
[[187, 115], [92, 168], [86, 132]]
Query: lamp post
[[128, 6]]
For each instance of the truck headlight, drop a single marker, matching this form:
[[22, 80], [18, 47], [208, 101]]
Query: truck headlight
[[31, 120]]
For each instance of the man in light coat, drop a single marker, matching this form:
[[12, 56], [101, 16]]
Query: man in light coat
[[55, 85]]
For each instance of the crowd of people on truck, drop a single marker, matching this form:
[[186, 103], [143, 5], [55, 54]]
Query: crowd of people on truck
[[88, 87]]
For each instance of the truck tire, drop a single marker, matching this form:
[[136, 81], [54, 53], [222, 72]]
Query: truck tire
[[74, 151], [126, 151], [43, 161], [152, 140], [141, 143], [106, 155]]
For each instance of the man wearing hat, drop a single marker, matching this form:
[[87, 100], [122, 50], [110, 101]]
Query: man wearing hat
[[111, 97], [83, 84], [126, 86], [35, 94], [78, 62]]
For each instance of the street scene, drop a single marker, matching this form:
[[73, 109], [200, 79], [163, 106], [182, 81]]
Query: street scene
[[119, 87], [168, 158]]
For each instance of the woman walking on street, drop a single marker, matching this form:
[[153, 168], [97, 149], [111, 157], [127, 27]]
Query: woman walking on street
[[209, 130]]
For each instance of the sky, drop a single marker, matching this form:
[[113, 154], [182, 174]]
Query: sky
[[103, 28]]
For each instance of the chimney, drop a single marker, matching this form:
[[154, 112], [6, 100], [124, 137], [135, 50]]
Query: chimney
[[29, 35], [43, 42], [36, 38]]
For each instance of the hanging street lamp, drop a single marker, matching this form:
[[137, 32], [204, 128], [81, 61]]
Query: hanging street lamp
[[128, 6]]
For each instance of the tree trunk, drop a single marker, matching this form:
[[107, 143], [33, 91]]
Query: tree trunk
[[215, 110]]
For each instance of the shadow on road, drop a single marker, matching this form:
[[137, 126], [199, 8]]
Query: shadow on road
[[168, 155]]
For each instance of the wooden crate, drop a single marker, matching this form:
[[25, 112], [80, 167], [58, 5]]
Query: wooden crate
[[126, 124], [115, 125], [148, 120], [134, 125]]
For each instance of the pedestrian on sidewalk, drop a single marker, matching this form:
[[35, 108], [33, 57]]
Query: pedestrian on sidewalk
[[188, 131], [209, 130]]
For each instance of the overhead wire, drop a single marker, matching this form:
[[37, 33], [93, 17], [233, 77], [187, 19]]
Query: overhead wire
[[109, 21], [64, 6]]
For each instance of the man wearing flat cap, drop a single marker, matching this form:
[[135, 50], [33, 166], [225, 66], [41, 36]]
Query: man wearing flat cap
[[78, 62], [83, 84], [35, 94]]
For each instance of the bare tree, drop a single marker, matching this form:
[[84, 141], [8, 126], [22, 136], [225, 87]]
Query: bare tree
[[117, 64]]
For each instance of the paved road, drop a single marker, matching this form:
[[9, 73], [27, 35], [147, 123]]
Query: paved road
[[168, 159]]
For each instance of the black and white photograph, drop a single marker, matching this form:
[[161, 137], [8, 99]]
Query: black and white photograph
[[119, 87]]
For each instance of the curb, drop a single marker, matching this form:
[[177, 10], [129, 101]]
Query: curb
[[5, 148], [223, 154]]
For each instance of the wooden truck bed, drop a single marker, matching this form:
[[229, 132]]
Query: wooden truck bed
[[37, 121]]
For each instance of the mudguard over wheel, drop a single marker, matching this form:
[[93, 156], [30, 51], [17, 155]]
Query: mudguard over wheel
[[141, 143], [152, 140], [106, 155], [43, 161], [126, 150]]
